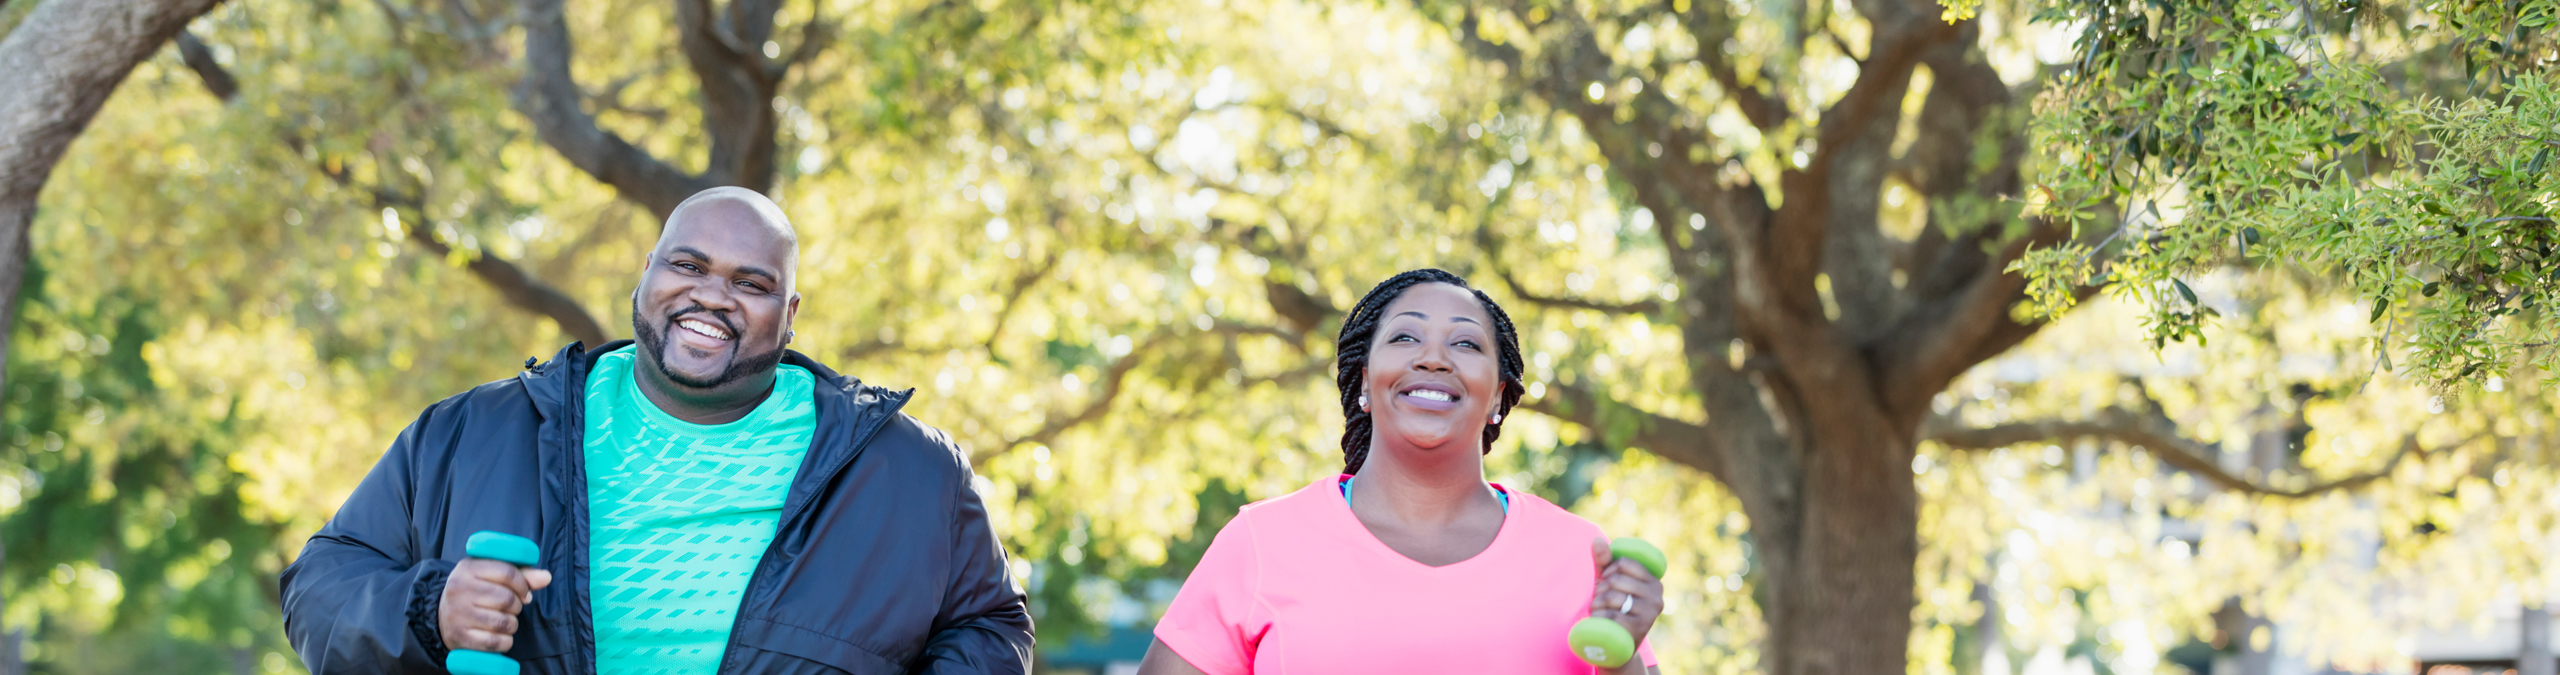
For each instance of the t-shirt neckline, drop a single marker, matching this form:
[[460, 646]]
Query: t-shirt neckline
[[1336, 505], [649, 410]]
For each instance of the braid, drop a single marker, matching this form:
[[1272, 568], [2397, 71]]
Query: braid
[[1360, 327]]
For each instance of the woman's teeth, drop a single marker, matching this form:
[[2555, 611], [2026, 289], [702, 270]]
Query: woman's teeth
[[1431, 395]]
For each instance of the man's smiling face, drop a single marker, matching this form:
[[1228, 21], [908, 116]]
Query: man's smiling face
[[716, 298]]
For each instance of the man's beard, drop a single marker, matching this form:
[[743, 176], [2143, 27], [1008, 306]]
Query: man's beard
[[653, 346]]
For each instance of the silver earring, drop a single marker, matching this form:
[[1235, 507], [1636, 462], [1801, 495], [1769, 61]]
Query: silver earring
[[1364, 403], [1497, 418], [788, 334]]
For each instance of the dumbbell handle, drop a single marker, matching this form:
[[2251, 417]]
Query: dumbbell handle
[[1603, 642], [505, 548]]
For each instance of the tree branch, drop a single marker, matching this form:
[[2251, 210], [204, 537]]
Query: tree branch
[[1960, 290], [62, 62], [58, 66], [1651, 151], [1048, 433], [1022, 284], [199, 58], [1709, 26], [2160, 436], [1469, 38], [814, 37], [1492, 246], [1939, 339], [1674, 439], [1323, 124], [1638, 307], [1828, 222], [738, 84], [519, 287], [1116, 377], [1888, 71], [549, 98]]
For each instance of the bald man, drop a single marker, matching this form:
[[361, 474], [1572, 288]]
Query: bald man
[[705, 499]]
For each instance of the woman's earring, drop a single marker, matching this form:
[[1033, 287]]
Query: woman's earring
[[1497, 419], [1364, 403]]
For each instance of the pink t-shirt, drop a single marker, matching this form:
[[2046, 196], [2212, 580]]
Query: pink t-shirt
[[1296, 585]]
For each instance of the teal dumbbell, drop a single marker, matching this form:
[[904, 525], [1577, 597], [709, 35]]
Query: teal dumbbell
[[1602, 642], [505, 548]]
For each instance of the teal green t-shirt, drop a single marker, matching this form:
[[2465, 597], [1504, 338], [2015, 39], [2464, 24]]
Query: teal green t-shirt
[[681, 514]]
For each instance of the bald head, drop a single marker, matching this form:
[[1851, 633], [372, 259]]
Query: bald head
[[728, 210], [716, 298]]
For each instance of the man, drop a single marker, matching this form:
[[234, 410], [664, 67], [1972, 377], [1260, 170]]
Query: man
[[705, 501]]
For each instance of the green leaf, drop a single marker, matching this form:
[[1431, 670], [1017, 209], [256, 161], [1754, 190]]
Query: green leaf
[[2184, 291], [2380, 305], [2430, 289]]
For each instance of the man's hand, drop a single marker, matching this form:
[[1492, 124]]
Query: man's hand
[[481, 600]]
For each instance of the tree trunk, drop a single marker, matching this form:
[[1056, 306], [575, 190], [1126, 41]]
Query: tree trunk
[[16, 217], [1846, 581], [13, 660], [2533, 648], [2249, 637], [58, 67], [1990, 652]]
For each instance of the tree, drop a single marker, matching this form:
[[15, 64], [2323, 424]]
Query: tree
[[61, 61], [1109, 244], [338, 144], [1846, 333], [1817, 330]]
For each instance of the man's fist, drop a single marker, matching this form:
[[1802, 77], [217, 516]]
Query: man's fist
[[481, 600]]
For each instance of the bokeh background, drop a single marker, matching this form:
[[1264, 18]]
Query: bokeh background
[[1109, 243]]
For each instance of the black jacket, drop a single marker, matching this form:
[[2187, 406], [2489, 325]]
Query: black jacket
[[883, 562]]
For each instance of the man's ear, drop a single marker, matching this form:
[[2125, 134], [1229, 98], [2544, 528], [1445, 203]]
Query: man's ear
[[790, 315]]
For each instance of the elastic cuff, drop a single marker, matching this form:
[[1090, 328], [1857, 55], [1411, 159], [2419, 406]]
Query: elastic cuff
[[426, 598]]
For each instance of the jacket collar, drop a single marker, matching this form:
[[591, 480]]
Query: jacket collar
[[549, 384]]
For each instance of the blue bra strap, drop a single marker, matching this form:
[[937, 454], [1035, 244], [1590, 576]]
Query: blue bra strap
[[1497, 491]]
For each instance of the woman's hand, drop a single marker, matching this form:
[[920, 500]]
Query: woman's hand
[[1619, 581]]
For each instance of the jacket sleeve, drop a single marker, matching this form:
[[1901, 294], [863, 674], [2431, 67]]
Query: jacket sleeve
[[983, 626], [350, 599]]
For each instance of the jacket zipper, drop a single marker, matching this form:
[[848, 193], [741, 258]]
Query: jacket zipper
[[579, 539], [757, 585]]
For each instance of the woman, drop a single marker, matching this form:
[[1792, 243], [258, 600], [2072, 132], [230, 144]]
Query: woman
[[1410, 562]]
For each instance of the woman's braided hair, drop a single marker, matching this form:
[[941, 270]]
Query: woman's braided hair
[[1361, 327]]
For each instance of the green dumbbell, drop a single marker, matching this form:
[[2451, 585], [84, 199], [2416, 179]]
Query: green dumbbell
[[505, 548], [1602, 642]]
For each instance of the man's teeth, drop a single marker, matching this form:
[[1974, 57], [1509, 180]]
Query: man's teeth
[[1431, 394], [705, 328]]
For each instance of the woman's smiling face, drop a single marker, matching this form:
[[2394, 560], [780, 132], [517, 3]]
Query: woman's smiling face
[[1434, 375]]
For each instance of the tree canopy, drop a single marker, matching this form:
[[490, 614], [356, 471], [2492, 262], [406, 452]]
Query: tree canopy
[[1775, 265]]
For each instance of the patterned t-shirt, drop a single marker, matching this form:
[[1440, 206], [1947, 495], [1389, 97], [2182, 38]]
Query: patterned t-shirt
[[681, 514]]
